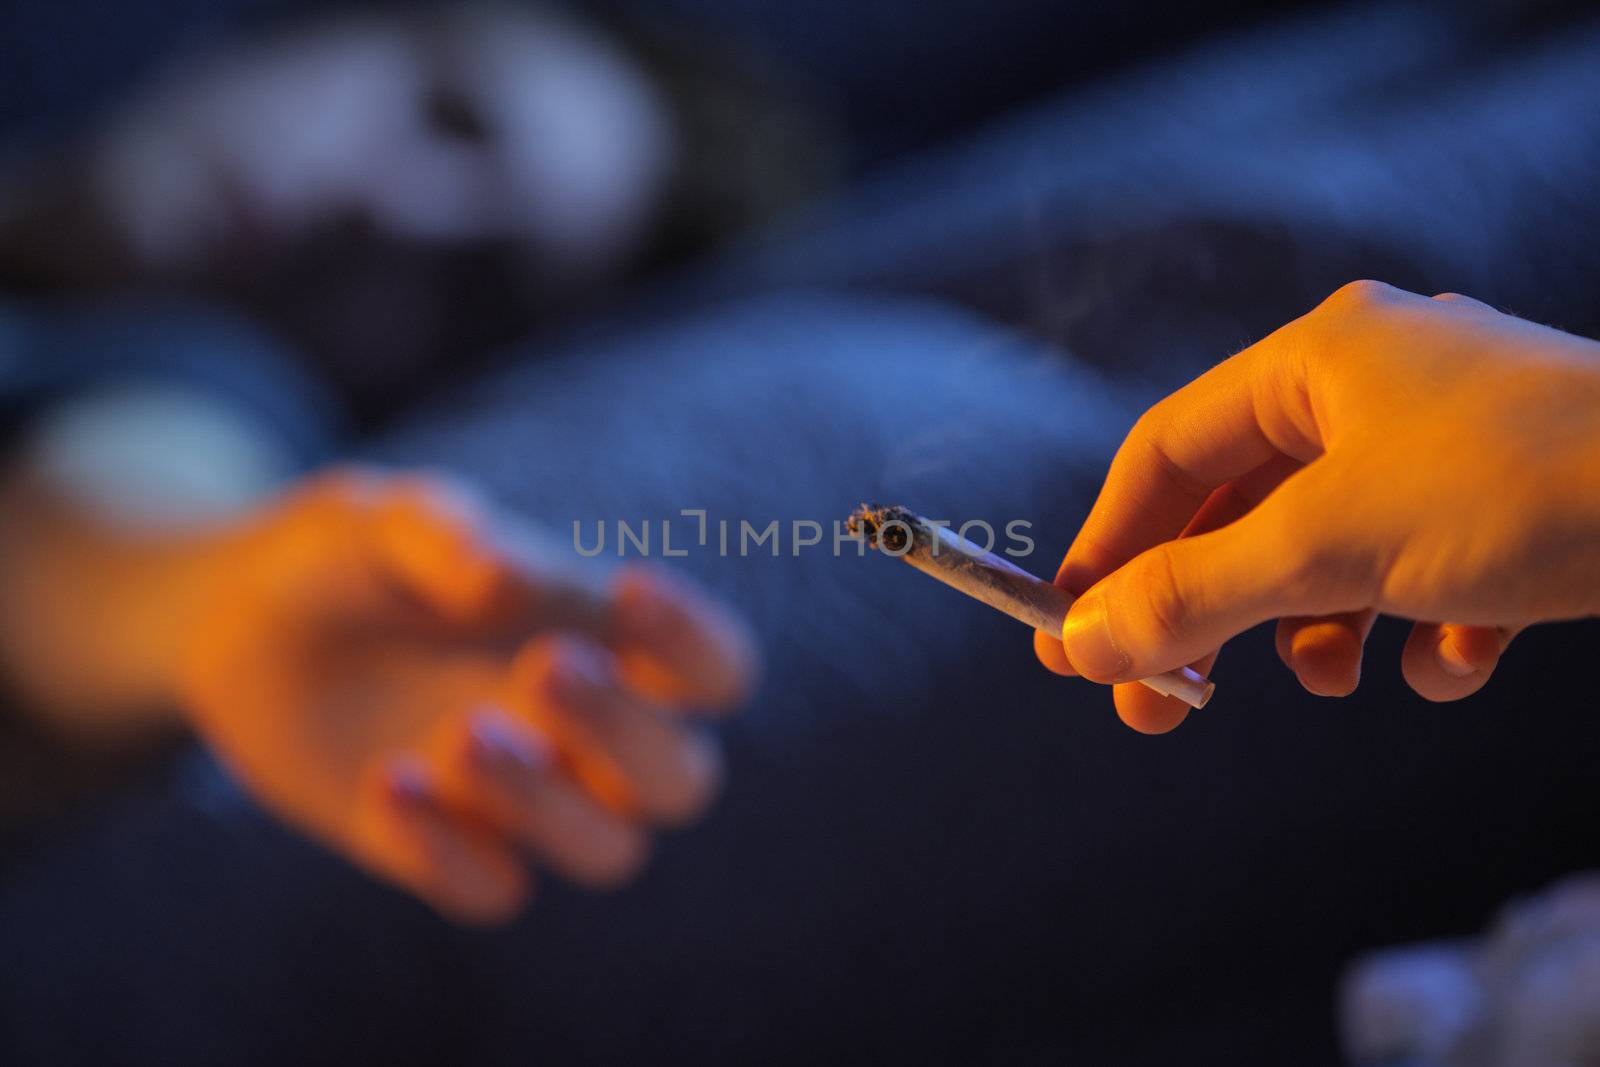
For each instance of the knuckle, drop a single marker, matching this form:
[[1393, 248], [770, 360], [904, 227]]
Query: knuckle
[[1145, 426], [1361, 296], [1150, 427], [1149, 447], [350, 480], [1171, 597], [435, 496], [1331, 328], [536, 664], [333, 491]]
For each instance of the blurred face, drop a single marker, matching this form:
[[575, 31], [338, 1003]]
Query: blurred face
[[441, 130], [392, 193]]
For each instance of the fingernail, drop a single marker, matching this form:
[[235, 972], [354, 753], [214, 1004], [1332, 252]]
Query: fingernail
[[408, 785], [577, 673], [497, 741], [1450, 659], [1086, 635]]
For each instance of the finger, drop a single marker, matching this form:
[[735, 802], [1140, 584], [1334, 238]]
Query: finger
[[1176, 602], [475, 565], [1448, 661], [633, 759], [1324, 651], [1463, 649], [1235, 417], [1225, 505], [1147, 711], [426, 535], [1142, 708], [1052, 654], [1241, 414], [409, 835], [510, 773], [676, 646]]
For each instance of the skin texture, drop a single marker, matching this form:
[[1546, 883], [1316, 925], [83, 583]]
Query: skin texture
[[1432, 459]]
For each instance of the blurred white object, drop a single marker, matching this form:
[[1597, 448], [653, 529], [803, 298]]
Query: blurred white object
[[1414, 1002], [156, 457], [455, 124], [1527, 995]]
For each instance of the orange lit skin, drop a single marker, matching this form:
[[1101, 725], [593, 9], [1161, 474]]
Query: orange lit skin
[[364, 639], [1431, 459]]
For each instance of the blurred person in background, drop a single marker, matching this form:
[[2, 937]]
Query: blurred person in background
[[383, 659], [396, 191]]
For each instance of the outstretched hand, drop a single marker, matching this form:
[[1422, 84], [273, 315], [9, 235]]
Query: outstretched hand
[[394, 669]]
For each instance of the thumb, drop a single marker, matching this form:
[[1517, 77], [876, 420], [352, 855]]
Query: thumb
[[1182, 599]]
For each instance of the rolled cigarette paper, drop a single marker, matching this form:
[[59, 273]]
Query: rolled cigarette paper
[[939, 551]]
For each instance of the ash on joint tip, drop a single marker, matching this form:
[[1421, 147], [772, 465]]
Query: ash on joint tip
[[891, 523]]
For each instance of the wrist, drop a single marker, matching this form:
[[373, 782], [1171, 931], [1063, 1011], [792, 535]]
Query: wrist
[[95, 619]]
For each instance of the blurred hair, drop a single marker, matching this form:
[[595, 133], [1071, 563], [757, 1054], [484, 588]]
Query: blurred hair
[[753, 146]]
